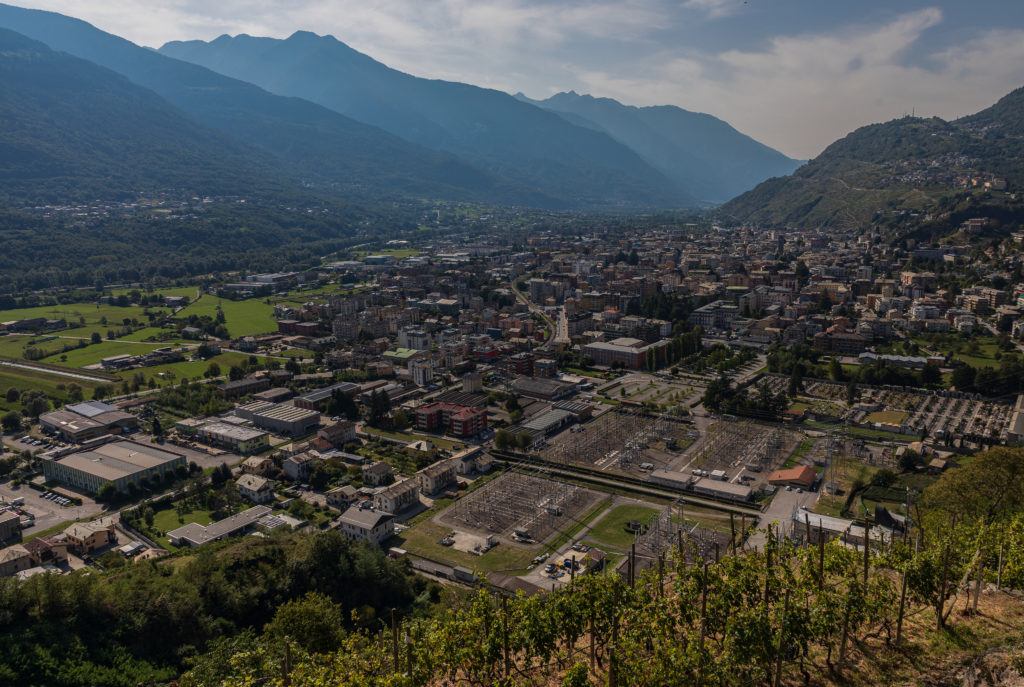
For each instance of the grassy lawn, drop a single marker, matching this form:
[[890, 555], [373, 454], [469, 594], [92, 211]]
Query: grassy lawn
[[167, 520], [399, 253], [24, 380], [242, 318], [162, 373], [799, 452], [423, 539], [891, 417], [13, 345], [611, 529], [93, 353]]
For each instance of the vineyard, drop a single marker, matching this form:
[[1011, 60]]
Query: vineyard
[[778, 616]]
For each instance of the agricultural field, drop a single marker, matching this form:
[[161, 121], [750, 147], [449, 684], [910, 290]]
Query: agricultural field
[[242, 318], [399, 253], [93, 353], [53, 385]]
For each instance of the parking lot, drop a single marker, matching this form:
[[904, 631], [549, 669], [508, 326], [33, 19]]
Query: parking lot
[[47, 512]]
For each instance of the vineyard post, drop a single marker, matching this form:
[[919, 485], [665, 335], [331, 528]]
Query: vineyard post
[[867, 551], [661, 574], [903, 602], [717, 552], [846, 629], [394, 638], [732, 528], [977, 586], [572, 570], [703, 624], [593, 653], [680, 544], [615, 638], [504, 634], [782, 639], [807, 527], [821, 560], [286, 663], [999, 571], [632, 566], [408, 652]]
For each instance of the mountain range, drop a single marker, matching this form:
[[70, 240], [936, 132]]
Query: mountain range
[[698, 152], [313, 113], [907, 164]]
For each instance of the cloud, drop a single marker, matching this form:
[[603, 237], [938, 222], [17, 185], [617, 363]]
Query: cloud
[[714, 8], [795, 89], [800, 93]]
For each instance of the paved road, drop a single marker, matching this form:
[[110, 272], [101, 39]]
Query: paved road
[[780, 511]]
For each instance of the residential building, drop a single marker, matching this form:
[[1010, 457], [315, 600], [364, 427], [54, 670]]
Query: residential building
[[376, 474], [398, 496], [366, 524], [458, 420], [437, 477], [257, 489], [10, 525], [342, 497], [86, 537], [298, 467]]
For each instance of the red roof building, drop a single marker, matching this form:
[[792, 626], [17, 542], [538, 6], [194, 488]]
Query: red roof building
[[802, 476]]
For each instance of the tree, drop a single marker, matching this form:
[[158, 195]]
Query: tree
[[95, 338], [502, 439], [883, 478], [11, 421], [101, 391], [989, 486], [74, 392], [13, 395], [963, 377], [515, 416], [523, 440], [908, 461], [212, 370], [931, 375], [314, 622], [106, 493], [36, 403], [400, 420], [380, 406], [852, 392], [235, 373], [158, 429], [835, 370]]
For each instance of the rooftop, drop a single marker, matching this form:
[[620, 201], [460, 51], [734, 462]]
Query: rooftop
[[118, 459]]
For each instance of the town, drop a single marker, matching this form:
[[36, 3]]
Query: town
[[525, 406]]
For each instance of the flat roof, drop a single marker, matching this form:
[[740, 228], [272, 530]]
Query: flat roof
[[198, 534], [728, 488], [287, 413], [235, 432], [118, 459], [91, 408]]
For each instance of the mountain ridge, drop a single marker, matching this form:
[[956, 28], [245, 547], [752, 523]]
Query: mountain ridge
[[313, 143], [489, 128], [910, 163]]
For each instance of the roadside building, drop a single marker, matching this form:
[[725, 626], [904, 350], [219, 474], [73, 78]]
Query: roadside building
[[398, 496], [365, 524], [194, 534], [86, 537], [802, 476], [257, 489], [376, 473], [298, 467], [10, 525], [437, 477]]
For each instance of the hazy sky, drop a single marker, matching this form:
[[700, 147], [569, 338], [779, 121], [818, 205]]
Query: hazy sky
[[795, 74]]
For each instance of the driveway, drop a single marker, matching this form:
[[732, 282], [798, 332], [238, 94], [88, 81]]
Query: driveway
[[46, 512], [780, 511]]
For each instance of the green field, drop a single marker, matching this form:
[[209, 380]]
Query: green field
[[192, 370], [24, 380], [610, 530], [242, 318], [167, 520], [891, 417], [93, 353], [399, 253], [423, 539]]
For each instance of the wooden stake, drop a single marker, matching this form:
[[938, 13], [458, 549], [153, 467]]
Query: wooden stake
[[977, 586], [286, 664], [807, 527], [782, 638], [903, 602], [732, 527], [394, 639], [504, 635], [661, 574], [703, 625], [821, 560], [612, 667], [867, 551], [999, 571]]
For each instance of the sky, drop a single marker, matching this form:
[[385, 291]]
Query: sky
[[794, 74]]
